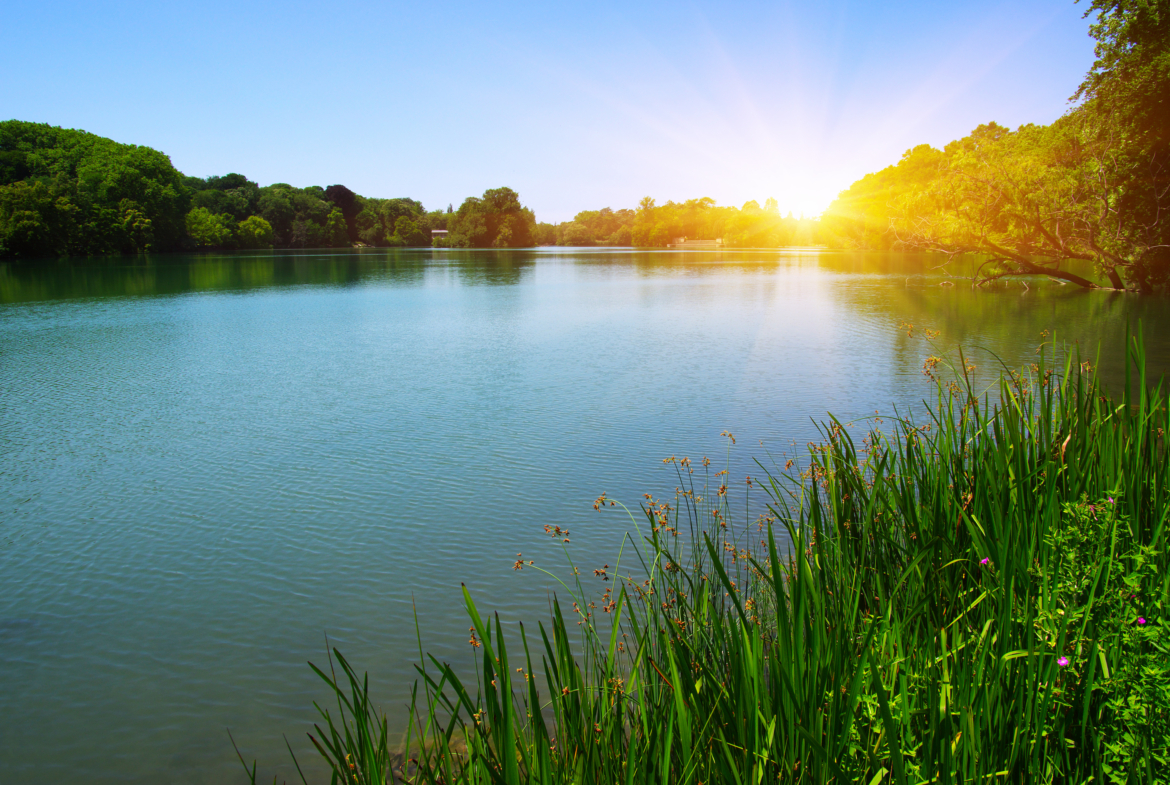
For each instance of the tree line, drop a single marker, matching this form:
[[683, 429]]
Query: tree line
[[1085, 200], [654, 226], [67, 192]]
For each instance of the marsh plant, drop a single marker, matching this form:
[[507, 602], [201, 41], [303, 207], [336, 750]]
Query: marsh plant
[[974, 594]]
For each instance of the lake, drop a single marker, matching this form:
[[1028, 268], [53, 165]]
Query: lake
[[211, 463]]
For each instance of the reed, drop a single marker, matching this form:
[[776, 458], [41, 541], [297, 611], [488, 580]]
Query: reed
[[974, 594]]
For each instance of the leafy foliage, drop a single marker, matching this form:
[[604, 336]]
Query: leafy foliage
[[1036, 199], [1085, 200], [860, 216], [596, 227], [653, 225], [497, 220], [209, 230], [71, 192], [254, 232]]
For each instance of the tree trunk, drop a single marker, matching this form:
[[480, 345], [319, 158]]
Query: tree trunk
[[1115, 278], [1035, 269]]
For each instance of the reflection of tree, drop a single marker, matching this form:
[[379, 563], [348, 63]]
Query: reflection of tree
[[224, 272], [491, 268], [20, 283], [1010, 322], [231, 272], [881, 290], [698, 263]]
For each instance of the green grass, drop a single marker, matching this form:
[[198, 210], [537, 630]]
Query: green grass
[[977, 594]]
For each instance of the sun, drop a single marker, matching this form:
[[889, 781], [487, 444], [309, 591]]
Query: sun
[[809, 206], [808, 199]]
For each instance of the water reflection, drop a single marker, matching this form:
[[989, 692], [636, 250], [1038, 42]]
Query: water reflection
[[924, 290], [195, 489], [242, 271], [180, 274]]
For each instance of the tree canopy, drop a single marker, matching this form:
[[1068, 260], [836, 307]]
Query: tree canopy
[[496, 220], [1085, 200], [72, 193], [655, 226]]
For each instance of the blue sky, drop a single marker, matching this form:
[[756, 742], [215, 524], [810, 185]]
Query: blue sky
[[575, 105]]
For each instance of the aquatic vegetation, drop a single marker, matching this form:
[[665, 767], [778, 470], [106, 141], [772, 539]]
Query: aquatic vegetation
[[973, 593]]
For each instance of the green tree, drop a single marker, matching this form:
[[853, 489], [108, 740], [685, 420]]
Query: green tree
[[412, 233], [336, 232], [374, 235], [576, 234], [144, 176], [861, 216], [306, 234], [254, 232], [13, 166], [208, 230], [498, 220], [597, 227], [545, 234], [34, 221], [1126, 122], [369, 226], [621, 236], [233, 202], [1035, 200], [276, 208], [95, 196], [309, 206], [390, 210], [137, 228], [350, 204], [1131, 75]]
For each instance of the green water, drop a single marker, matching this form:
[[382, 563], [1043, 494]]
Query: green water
[[210, 463]]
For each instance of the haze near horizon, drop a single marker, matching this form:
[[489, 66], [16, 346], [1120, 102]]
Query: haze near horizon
[[574, 106]]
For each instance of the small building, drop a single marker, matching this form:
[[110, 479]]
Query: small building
[[438, 233]]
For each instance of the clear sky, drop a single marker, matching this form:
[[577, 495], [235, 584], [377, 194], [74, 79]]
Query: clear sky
[[575, 105]]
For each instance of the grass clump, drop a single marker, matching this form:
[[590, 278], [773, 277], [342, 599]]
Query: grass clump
[[978, 594]]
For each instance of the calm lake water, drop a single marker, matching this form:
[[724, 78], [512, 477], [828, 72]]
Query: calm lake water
[[208, 464]]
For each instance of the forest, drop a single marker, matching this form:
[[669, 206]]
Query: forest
[[655, 226], [70, 193]]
